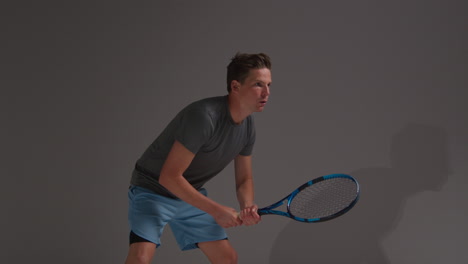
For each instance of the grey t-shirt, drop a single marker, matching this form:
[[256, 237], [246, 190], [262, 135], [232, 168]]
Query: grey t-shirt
[[205, 128]]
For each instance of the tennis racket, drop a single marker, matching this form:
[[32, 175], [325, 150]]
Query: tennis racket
[[318, 200]]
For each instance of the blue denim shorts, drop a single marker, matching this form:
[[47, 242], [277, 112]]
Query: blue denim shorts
[[149, 213]]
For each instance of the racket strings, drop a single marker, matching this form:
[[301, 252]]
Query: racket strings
[[324, 198]]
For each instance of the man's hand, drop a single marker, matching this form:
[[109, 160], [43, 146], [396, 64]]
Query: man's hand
[[249, 215], [227, 217]]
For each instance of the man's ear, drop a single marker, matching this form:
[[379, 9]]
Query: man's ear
[[235, 85]]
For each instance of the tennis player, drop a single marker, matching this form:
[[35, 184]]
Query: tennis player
[[202, 139]]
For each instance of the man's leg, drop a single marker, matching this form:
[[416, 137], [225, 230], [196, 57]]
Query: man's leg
[[219, 252], [140, 253], [148, 214]]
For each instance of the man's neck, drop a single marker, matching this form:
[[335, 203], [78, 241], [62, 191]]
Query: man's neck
[[235, 109]]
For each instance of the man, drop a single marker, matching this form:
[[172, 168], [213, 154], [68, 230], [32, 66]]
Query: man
[[166, 185]]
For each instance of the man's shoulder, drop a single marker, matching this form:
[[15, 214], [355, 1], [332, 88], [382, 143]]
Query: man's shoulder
[[209, 102], [210, 105]]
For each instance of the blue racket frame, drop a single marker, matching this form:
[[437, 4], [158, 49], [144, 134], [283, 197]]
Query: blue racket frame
[[290, 197]]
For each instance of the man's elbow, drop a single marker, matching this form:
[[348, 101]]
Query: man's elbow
[[169, 180], [164, 180]]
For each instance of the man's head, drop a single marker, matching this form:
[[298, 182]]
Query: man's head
[[241, 64]]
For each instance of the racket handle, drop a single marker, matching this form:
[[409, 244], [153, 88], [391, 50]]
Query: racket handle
[[261, 212]]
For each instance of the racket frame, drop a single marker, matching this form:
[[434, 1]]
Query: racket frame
[[290, 197]]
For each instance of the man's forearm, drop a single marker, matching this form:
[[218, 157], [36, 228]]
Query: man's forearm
[[245, 193], [181, 188]]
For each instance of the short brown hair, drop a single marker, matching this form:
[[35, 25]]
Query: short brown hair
[[240, 65]]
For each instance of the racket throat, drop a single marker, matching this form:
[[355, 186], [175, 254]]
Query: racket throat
[[279, 208]]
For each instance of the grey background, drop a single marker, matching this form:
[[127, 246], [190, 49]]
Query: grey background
[[376, 89]]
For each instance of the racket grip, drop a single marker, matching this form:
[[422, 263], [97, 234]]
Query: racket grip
[[261, 212]]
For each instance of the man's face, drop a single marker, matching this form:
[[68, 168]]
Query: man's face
[[255, 89]]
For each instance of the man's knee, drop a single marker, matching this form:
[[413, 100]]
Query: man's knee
[[231, 257], [219, 252], [140, 253], [225, 257]]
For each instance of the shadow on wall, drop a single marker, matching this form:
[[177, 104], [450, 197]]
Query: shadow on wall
[[418, 163]]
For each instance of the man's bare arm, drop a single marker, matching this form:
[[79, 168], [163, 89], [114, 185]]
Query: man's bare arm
[[245, 190], [172, 178]]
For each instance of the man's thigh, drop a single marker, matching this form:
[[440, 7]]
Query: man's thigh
[[148, 214]]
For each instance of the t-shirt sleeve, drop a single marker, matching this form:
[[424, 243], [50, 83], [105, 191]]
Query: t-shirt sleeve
[[248, 149], [194, 130]]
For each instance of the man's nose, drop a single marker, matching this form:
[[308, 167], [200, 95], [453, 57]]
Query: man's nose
[[266, 91]]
